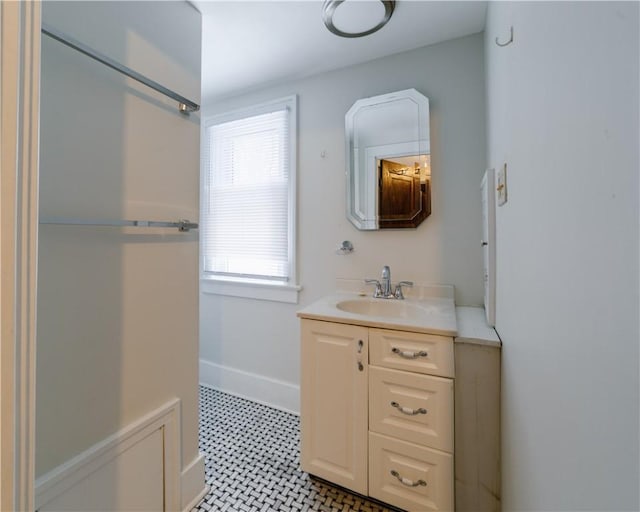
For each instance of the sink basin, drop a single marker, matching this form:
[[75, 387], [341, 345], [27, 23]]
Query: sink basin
[[382, 307], [428, 314]]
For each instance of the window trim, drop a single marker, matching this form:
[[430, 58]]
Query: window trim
[[278, 291]]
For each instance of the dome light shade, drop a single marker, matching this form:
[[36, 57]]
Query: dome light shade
[[329, 11]]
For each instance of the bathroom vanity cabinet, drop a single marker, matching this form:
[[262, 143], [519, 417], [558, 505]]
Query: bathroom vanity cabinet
[[408, 418], [377, 412]]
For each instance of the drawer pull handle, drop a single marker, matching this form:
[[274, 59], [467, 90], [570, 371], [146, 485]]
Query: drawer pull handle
[[408, 354], [406, 481], [407, 410]]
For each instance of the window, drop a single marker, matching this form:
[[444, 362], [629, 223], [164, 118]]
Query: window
[[248, 202]]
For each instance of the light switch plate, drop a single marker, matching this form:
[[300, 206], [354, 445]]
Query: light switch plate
[[501, 185]]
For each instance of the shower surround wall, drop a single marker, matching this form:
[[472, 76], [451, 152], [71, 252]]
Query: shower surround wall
[[251, 347], [117, 308]]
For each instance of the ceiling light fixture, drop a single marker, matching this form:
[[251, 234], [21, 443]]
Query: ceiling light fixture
[[329, 9]]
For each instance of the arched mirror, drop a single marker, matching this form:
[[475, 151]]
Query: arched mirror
[[388, 161]]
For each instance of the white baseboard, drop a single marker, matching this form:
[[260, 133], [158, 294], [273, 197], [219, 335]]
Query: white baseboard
[[71, 473], [193, 484], [261, 389]]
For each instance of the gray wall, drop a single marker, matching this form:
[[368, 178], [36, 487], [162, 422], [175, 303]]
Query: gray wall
[[255, 340], [114, 342], [563, 113]]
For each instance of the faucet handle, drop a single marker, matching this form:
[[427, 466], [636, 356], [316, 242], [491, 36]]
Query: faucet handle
[[378, 291], [398, 293]]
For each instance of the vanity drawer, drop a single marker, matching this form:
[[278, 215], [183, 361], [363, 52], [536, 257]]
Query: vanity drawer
[[409, 476], [414, 352], [412, 407]]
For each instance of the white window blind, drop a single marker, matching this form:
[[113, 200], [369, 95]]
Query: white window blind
[[246, 228]]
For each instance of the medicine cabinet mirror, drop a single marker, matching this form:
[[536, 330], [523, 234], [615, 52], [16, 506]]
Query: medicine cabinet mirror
[[388, 161]]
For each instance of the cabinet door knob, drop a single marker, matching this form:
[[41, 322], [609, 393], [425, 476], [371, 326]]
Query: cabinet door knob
[[407, 354], [408, 411], [360, 366], [406, 481], [360, 345]]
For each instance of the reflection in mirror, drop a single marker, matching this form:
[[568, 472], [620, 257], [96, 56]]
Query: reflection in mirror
[[389, 161], [404, 191]]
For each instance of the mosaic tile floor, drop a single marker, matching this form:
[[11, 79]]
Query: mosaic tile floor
[[253, 462]]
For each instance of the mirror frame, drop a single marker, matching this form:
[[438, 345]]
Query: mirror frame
[[354, 178]]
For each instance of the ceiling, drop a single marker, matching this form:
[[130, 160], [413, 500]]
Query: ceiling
[[247, 44]]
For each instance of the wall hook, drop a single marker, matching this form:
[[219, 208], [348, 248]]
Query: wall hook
[[509, 41]]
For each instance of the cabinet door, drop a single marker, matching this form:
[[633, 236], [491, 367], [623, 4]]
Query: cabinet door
[[333, 406]]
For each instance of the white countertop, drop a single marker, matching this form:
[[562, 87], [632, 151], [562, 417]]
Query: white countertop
[[438, 315], [473, 327]]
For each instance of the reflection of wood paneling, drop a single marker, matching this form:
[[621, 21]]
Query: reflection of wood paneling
[[399, 191], [403, 201]]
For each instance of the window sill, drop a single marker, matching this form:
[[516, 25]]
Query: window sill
[[250, 290]]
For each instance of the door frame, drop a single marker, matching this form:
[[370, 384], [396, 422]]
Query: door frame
[[19, 129]]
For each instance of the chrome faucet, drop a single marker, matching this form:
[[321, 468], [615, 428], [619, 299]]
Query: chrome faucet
[[383, 287], [386, 282]]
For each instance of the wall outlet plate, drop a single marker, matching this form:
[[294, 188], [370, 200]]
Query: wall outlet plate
[[501, 185]]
